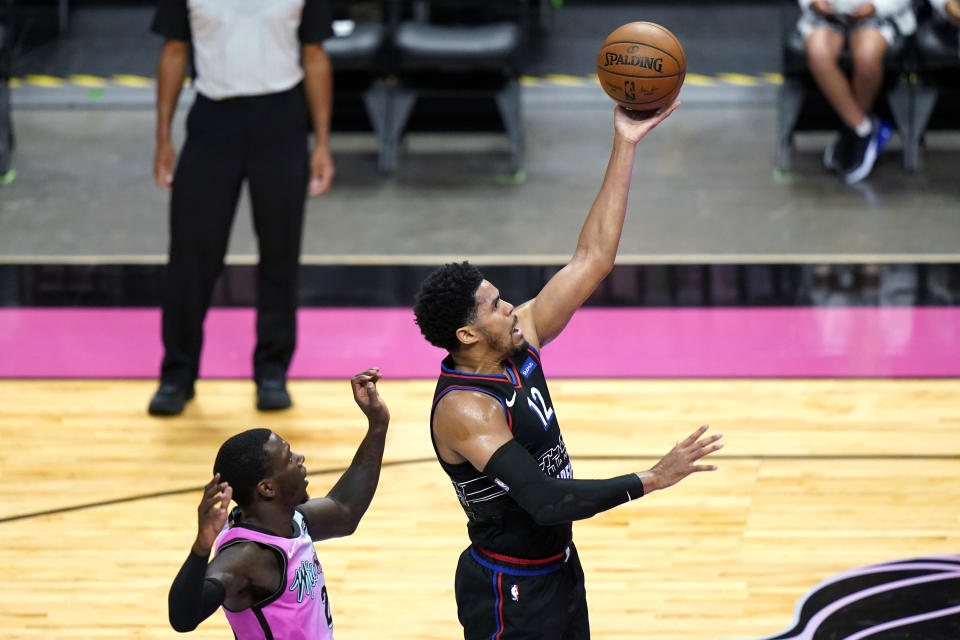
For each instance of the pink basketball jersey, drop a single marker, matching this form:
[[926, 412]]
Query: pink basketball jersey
[[299, 610]]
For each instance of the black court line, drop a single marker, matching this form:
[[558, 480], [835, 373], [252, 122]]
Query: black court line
[[398, 463]]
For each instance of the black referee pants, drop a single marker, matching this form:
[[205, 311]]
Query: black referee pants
[[263, 140]]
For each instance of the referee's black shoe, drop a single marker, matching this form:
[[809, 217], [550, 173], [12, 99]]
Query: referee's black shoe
[[169, 399], [272, 394]]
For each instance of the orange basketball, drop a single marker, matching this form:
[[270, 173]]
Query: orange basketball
[[641, 65]]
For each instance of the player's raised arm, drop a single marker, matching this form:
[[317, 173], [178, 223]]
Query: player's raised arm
[[200, 588], [339, 512], [544, 317]]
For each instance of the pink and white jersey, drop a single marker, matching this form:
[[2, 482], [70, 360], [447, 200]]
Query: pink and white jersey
[[299, 610]]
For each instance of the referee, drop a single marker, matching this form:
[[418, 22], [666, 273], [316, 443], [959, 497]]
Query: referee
[[263, 81]]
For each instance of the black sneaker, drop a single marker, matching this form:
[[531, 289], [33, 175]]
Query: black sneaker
[[272, 395], [169, 399], [838, 150], [866, 151]]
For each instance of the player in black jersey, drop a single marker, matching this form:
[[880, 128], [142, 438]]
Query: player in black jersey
[[496, 434]]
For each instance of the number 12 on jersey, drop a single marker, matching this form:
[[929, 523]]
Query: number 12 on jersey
[[543, 412]]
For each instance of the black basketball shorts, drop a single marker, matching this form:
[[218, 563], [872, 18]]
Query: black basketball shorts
[[504, 598]]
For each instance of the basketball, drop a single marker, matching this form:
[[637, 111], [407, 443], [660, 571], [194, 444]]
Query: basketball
[[641, 65]]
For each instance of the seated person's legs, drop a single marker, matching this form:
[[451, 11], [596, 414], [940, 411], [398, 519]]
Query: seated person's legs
[[824, 46], [867, 46], [867, 42], [825, 42]]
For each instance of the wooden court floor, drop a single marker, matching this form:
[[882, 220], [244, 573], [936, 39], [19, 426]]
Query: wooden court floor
[[98, 501]]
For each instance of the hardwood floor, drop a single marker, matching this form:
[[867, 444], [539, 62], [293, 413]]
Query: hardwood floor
[[817, 476]]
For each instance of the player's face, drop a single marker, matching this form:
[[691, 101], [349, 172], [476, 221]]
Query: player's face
[[288, 471], [497, 321]]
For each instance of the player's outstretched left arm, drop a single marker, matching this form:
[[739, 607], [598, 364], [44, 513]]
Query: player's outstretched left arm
[[544, 317], [339, 512], [550, 500]]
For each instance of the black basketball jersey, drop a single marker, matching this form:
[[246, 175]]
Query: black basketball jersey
[[495, 521]]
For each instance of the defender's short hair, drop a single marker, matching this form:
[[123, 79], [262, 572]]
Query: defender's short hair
[[242, 463], [447, 301]]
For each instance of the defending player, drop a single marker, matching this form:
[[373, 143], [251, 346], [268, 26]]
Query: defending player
[[496, 434], [265, 572]]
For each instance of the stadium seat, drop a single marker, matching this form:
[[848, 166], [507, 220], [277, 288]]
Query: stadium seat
[[937, 88], [356, 53], [462, 53]]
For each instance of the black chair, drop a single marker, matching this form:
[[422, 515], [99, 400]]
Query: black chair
[[937, 89], [356, 53], [459, 55], [802, 106]]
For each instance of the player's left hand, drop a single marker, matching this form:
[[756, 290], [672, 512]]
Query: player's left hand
[[368, 399], [633, 125], [321, 171], [681, 461]]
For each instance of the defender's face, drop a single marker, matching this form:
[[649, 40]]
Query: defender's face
[[287, 471], [497, 321]]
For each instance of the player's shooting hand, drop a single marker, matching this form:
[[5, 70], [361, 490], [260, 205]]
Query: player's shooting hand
[[824, 8], [633, 125], [164, 159], [368, 399], [681, 461], [862, 11], [321, 171], [212, 514]]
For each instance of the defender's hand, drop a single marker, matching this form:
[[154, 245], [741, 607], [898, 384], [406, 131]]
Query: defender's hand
[[212, 514], [368, 399]]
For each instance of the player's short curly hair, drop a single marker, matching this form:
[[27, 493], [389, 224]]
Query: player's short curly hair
[[447, 301], [242, 462]]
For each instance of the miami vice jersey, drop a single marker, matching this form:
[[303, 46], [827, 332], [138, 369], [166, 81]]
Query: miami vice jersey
[[299, 609], [495, 521]]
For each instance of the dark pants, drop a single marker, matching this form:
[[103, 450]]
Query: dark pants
[[503, 601], [262, 140]]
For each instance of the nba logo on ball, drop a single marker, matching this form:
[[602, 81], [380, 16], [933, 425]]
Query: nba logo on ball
[[641, 65]]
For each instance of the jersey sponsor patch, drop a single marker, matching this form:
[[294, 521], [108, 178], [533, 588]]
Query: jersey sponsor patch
[[502, 484], [529, 366]]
